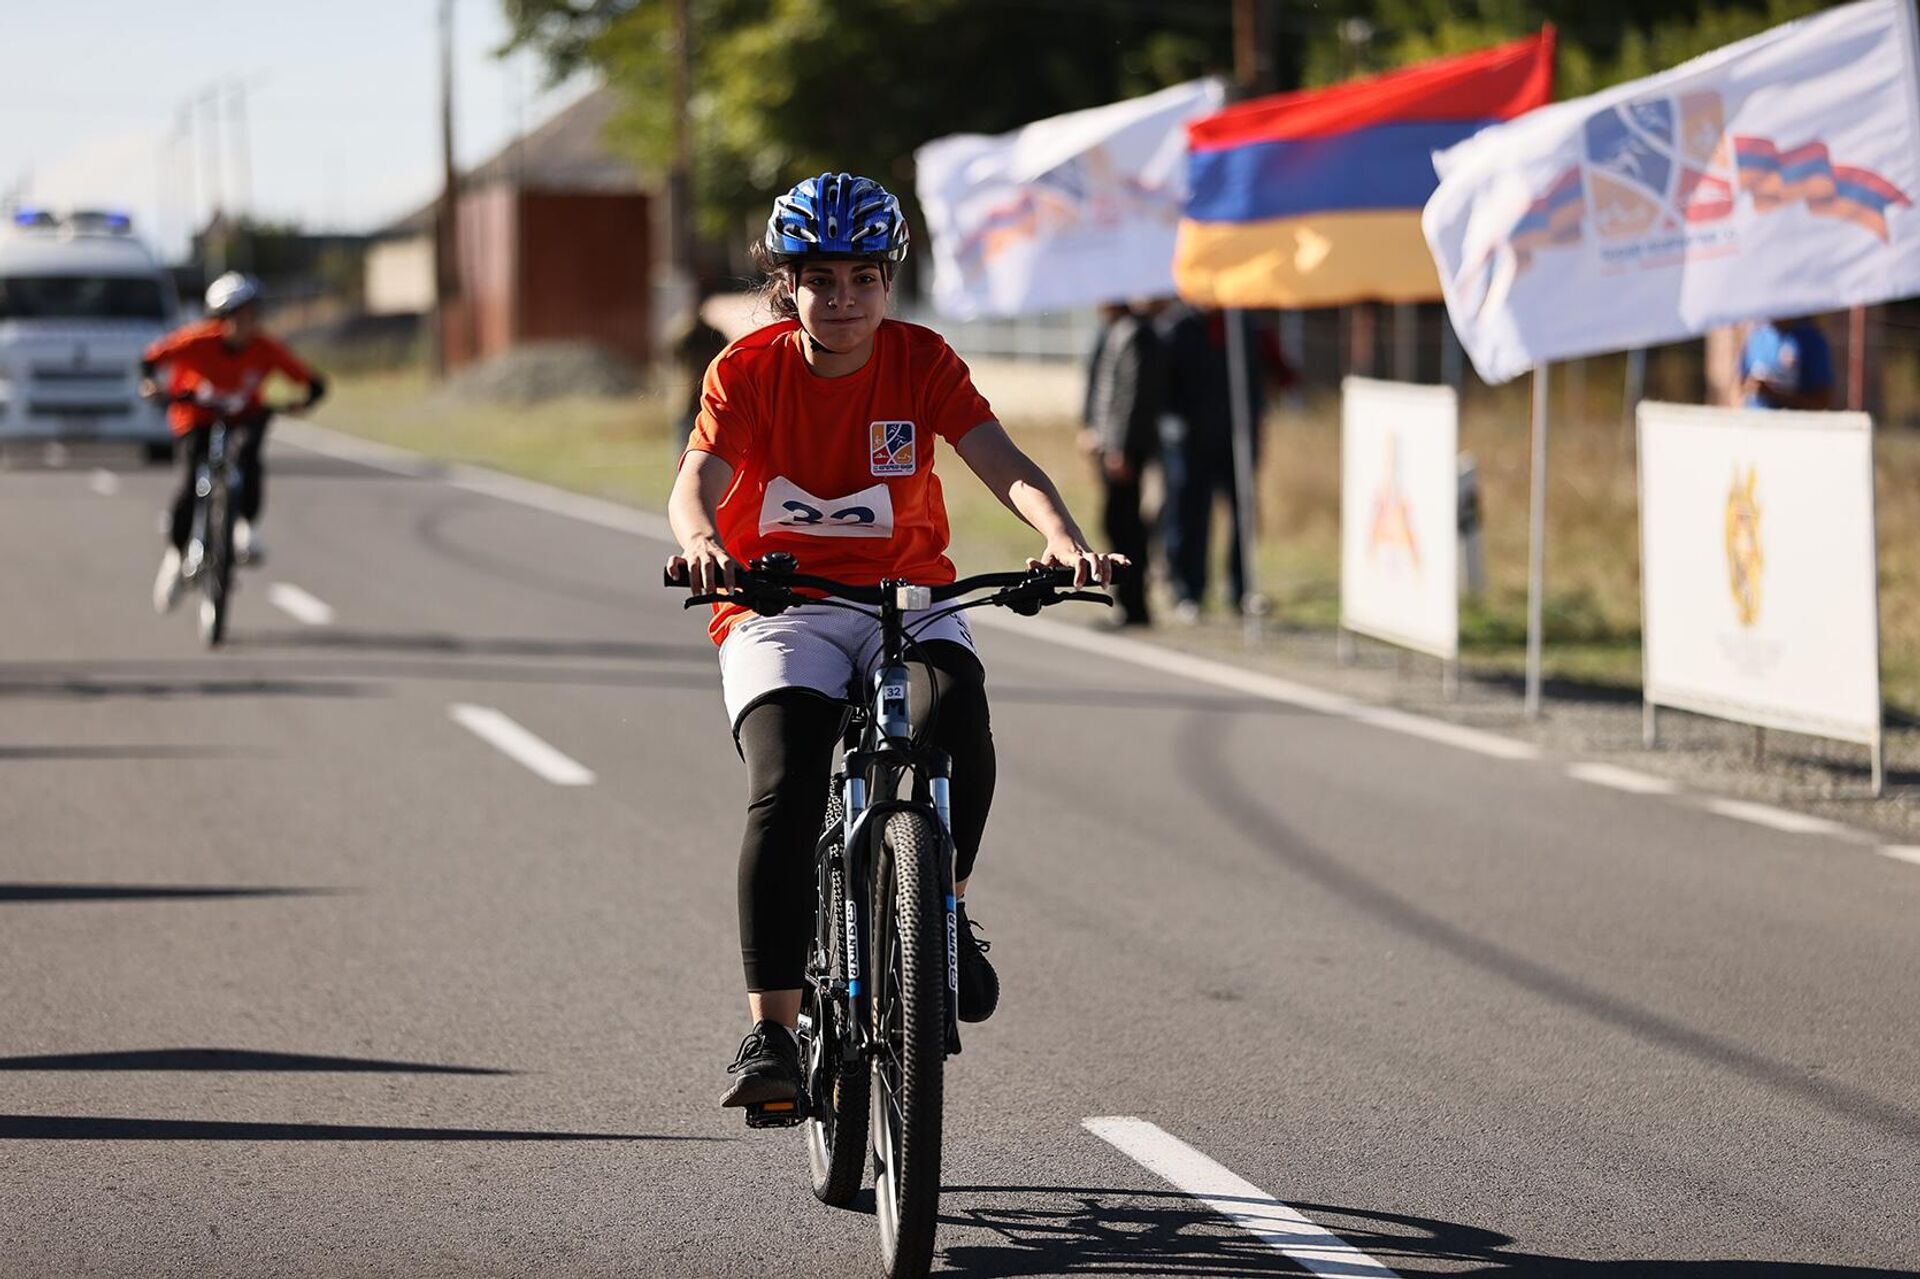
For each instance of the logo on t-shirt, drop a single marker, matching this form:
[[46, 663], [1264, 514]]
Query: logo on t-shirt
[[892, 444], [788, 508]]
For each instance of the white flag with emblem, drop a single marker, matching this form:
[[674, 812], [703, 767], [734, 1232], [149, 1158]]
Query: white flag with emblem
[[1069, 211], [1774, 177]]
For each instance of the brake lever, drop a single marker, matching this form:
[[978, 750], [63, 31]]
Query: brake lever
[[1091, 597]]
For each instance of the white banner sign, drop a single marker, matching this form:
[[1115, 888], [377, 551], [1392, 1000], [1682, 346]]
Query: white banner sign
[[1757, 567], [1399, 514], [1774, 177], [1067, 212]]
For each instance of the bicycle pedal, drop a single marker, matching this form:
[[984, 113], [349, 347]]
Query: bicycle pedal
[[776, 1114]]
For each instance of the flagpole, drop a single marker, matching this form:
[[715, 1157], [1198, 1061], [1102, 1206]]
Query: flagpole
[[1240, 377], [1537, 540]]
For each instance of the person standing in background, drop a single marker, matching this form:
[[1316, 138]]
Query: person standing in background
[[696, 345], [1786, 364], [1196, 446], [1125, 381]]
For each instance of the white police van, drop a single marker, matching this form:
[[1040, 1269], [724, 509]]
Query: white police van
[[80, 299]]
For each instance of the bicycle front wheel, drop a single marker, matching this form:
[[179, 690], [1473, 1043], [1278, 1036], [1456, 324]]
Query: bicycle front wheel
[[216, 573], [909, 1012]]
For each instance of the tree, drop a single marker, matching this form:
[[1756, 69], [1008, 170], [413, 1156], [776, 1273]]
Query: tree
[[788, 88]]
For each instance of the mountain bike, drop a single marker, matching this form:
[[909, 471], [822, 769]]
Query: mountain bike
[[880, 1012], [209, 558]]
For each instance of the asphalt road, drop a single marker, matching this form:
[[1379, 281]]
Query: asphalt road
[[302, 976]]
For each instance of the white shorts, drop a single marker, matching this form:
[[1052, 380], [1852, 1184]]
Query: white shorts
[[810, 646]]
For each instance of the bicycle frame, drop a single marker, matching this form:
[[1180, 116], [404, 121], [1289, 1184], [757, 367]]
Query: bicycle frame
[[217, 464], [869, 780]]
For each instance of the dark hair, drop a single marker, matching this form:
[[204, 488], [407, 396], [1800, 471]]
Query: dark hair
[[776, 290]]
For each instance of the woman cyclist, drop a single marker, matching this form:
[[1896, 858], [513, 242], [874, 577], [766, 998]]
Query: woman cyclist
[[816, 436]]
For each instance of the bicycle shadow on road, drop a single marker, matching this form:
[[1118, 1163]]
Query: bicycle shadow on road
[[1063, 1230], [52, 892], [448, 645], [112, 1128]]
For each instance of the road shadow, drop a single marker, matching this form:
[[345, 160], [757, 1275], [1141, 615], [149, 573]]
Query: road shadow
[[123, 752], [1207, 758], [233, 1059], [108, 1128], [479, 646], [1063, 1230], [147, 892], [78, 686]]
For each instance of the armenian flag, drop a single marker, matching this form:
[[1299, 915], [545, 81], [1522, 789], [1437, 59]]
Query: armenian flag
[[1313, 198]]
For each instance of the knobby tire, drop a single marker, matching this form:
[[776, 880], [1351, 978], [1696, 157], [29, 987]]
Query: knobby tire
[[909, 1009]]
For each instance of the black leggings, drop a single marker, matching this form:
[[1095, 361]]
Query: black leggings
[[190, 450], [787, 739]]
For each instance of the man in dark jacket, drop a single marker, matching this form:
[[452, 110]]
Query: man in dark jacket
[[1124, 392], [1196, 446]]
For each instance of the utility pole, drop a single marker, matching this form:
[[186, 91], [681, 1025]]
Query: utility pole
[[242, 148], [680, 176], [216, 187], [446, 293]]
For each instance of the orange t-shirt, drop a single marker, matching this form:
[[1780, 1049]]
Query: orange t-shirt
[[199, 356], [838, 472]]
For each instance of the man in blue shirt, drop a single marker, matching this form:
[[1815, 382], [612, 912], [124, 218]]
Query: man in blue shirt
[[1786, 364]]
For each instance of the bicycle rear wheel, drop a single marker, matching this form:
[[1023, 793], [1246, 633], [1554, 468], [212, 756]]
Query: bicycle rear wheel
[[216, 573], [837, 1093], [909, 1010]]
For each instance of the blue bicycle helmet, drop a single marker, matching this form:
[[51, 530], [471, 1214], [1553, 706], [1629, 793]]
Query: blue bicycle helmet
[[837, 215]]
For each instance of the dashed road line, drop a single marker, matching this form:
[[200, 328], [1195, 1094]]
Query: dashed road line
[[299, 605], [1779, 819], [104, 482], [1622, 779], [1284, 1229], [519, 745]]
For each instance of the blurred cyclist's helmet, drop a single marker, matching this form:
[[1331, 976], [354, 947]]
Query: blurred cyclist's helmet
[[837, 215], [231, 292]]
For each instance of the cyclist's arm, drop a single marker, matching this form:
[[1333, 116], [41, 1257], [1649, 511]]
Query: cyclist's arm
[[1024, 489], [702, 481]]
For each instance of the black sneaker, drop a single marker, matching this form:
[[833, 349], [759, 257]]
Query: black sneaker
[[979, 984], [767, 1068]]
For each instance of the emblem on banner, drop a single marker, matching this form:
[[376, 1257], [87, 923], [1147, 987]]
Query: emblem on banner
[[1746, 560], [1390, 534], [1656, 185], [892, 448]]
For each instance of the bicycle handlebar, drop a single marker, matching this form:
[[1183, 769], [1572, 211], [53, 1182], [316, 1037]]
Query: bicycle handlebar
[[768, 586]]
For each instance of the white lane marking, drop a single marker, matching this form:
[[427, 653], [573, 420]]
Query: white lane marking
[[301, 606], [1909, 853], [515, 742], [1280, 1227], [478, 479], [104, 482], [1780, 819], [1436, 730], [1622, 779]]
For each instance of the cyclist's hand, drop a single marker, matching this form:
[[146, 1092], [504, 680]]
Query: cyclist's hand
[[1090, 568], [149, 389], [707, 565]]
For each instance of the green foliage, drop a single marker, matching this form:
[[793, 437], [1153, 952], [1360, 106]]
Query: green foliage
[[787, 88]]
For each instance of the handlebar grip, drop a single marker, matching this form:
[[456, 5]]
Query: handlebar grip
[[670, 578]]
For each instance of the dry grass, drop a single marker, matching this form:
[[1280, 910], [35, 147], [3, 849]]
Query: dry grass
[[622, 449]]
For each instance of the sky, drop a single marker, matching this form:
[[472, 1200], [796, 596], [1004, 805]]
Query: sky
[[340, 106]]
